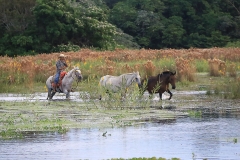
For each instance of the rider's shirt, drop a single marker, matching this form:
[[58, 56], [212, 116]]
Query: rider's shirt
[[59, 65]]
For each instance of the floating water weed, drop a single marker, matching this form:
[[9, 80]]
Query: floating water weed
[[235, 140], [143, 158], [195, 114]]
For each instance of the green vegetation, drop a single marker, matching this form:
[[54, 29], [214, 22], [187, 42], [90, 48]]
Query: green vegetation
[[41, 26], [235, 140], [195, 114], [153, 158], [18, 118]]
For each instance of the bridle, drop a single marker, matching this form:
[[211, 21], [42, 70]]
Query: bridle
[[75, 79], [75, 75]]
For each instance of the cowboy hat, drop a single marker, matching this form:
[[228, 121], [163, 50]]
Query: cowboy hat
[[62, 56]]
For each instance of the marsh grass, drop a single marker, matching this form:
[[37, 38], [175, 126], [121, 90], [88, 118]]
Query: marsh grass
[[144, 158], [232, 70], [124, 99], [201, 65], [25, 71], [224, 87], [235, 140], [195, 114], [17, 124], [232, 90], [18, 118], [217, 67], [185, 69]]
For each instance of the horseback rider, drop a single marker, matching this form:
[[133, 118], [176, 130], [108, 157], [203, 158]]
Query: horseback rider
[[60, 65]]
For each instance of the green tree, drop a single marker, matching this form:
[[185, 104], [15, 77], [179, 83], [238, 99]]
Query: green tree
[[140, 19], [16, 15], [200, 20], [173, 32], [55, 24]]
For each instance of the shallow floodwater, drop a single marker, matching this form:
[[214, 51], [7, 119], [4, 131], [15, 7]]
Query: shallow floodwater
[[75, 96], [185, 138]]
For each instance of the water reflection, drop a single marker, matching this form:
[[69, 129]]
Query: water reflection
[[186, 138]]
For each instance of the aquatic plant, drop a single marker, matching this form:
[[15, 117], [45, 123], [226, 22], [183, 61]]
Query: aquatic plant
[[195, 114], [143, 158], [235, 140]]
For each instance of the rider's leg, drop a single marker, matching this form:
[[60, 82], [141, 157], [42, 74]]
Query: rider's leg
[[56, 81]]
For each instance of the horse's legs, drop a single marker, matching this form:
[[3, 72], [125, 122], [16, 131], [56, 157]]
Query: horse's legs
[[68, 95], [160, 95], [170, 94], [49, 93], [53, 93]]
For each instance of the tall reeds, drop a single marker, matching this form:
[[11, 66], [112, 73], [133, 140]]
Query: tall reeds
[[185, 69], [149, 68], [217, 67], [26, 70], [232, 70]]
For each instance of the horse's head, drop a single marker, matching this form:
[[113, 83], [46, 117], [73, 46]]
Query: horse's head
[[78, 73], [137, 78], [169, 78], [172, 79]]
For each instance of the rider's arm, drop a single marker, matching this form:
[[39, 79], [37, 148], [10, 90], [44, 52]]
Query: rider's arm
[[61, 65], [65, 64]]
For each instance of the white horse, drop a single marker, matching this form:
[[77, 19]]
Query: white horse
[[73, 75], [120, 83]]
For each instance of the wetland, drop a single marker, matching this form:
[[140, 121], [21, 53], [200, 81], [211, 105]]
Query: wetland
[[192, 125], [201, 121]]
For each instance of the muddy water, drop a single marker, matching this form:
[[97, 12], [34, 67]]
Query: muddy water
[[186, 138]]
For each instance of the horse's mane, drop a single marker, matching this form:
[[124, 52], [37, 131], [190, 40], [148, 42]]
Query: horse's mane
[[133, 73], [129, 73], [69, 73], [167, 72]]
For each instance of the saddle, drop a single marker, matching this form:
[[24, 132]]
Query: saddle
[[62, 75]]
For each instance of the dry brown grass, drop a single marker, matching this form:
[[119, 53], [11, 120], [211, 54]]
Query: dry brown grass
[[185, 69], [217, 67], [40, 67], [149, 68], [232, 70]]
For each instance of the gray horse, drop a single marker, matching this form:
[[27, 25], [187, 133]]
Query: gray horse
[[114, 84], [66, 87]]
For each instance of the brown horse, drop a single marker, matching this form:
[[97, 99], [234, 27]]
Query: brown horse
[[160, 83]]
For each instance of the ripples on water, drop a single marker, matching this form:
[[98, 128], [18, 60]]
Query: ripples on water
[[187, 138]]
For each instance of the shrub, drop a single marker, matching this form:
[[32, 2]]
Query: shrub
[[185, 69], [232, 70], [217, 67]]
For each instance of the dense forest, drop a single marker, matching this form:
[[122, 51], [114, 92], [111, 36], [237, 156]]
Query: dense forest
[[29, 27]]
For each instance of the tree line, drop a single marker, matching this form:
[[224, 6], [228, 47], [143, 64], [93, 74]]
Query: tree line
[[31, 27]]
